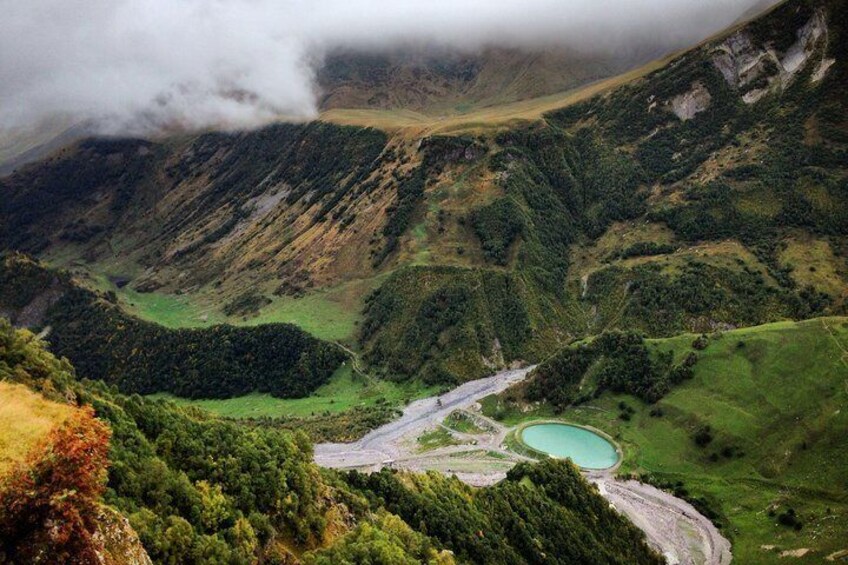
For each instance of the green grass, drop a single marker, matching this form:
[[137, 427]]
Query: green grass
[[461, 423], [169, 310], [779, 398], [435, 439], [344, 391], [331, 313], [315, 313]]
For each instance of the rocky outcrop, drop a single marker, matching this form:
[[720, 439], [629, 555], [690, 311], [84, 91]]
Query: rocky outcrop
[[737, 59], [756, 70], [822, 69], [685, 106], [799, 53], [120, 542]]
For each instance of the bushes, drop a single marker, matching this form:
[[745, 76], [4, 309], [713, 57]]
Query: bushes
[[644, 249], [388, 541], [790, 519], [703, 436], [541, 513], [702, 295], [49, 503], [616, 361], [497, 226], [446, 324], [247, 303], [410, 192], [559, 188]]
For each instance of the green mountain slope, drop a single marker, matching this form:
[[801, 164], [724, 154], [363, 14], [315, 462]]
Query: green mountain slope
[[143, 357], [756, 428]]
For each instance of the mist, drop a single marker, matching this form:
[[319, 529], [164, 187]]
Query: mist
[[135, 66]]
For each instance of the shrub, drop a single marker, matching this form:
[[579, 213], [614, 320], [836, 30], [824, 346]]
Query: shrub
[[703, 436], [49, 503]]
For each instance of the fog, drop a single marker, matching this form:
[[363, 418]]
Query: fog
[[139, 65]]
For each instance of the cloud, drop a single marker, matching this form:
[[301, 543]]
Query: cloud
[[147, 64]]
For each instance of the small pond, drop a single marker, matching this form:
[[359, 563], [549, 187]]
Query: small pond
[[586, 448]]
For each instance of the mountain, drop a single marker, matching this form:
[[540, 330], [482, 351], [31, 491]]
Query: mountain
[[705, 193], [441, 80]]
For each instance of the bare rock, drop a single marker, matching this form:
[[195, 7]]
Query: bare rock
[[119, 541], [685, 106]]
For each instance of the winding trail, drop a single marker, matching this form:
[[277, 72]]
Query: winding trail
[[674, 527]]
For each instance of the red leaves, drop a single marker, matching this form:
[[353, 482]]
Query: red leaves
[[48, 504]]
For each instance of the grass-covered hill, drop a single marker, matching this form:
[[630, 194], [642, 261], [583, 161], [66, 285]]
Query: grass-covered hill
[[754, 432], [704, 191], [196, 489]]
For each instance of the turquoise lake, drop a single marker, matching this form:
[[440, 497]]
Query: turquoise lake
[[587, 449]]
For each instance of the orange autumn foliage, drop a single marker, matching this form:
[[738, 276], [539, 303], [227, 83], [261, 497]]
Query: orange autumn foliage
[[48, 504]]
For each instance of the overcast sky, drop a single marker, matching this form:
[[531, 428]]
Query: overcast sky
[[237, 63]]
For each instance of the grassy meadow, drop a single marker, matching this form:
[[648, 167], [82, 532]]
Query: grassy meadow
[[25, 418], [346, 390]]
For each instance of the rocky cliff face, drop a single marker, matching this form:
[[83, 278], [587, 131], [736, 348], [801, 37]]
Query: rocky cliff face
[[758, 68], [686, 106], [120, 542]]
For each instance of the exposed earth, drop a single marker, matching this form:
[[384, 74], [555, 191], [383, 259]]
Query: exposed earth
[[672, 526]]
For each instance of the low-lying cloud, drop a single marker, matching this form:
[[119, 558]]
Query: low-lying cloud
[[145, 64]]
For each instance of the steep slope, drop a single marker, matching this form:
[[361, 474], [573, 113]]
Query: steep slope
[[706, 193]]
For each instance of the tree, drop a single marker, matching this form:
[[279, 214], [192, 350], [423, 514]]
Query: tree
[[49, 503]]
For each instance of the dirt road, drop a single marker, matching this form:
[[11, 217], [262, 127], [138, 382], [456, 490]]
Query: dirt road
[[672, 526], [386, 443]]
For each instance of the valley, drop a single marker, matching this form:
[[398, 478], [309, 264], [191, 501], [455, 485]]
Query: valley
[[674, 527], [325, 340]]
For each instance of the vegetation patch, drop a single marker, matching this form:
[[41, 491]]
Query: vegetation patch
[[615, 361], [25, 419], [463, 422], [434, 439]]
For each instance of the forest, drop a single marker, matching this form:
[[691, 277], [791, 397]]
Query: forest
[[222, 361], [614, 361]]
